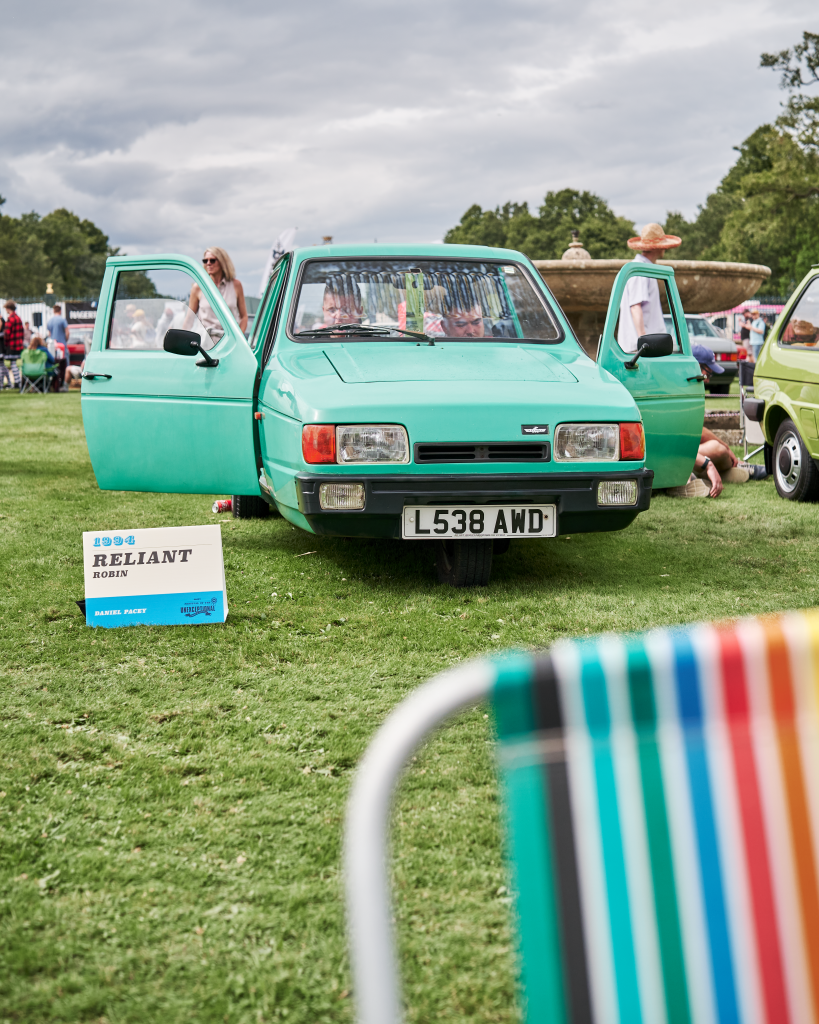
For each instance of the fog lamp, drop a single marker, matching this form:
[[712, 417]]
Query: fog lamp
[[617, 492], [350, 496]]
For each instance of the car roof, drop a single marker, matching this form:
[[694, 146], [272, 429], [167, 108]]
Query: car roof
[[434, 250]]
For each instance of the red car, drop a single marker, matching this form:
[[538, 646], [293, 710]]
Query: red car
[[79, 342]]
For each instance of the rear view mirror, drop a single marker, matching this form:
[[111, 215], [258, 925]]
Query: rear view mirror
[[187, 343], [652, 346]]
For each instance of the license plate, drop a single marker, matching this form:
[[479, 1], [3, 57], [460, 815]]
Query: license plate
[[426, 522]]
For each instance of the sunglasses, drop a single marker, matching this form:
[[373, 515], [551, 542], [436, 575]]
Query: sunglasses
[[211, 259]]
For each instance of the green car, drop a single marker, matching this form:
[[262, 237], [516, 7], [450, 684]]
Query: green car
[[786, 394], [426, 392]]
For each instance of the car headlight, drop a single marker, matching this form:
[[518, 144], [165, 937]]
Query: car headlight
[[587, 442], [371, 442]]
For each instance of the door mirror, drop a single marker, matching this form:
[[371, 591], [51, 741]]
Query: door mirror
[[651, 346], [182, 343], [187, 343]]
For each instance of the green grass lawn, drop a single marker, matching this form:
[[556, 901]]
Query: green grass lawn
[[172, 799]]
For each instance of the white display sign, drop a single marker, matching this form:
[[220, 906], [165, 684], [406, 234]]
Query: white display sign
[[170, 576]]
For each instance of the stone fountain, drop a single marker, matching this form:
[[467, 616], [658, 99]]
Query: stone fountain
[[582, 286]]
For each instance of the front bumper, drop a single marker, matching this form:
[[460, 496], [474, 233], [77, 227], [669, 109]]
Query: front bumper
[[574, 494]]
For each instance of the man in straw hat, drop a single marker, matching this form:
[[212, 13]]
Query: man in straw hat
[[640, 310], [757, 329]]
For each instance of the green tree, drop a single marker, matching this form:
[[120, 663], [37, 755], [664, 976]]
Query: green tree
[[766, 208], [59, 249], [547, 235], [24, 265], [77, 250], [800, 70]]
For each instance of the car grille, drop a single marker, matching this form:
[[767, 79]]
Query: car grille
[[524, 451]]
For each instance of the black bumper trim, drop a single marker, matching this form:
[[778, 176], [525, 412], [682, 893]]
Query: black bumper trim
[[574, 494]]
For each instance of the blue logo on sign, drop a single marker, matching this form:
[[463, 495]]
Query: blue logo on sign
[[190, 611]]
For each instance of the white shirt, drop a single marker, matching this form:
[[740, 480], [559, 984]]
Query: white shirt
[[208, 317], [646, 292]]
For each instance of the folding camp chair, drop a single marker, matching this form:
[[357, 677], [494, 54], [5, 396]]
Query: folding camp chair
[[35, 374], [662, 803]]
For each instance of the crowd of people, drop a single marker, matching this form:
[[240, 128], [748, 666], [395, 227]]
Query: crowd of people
[[17, 337]]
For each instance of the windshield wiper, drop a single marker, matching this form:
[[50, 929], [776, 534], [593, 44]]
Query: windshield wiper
[[370, 330]]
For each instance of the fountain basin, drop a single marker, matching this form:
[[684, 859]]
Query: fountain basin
[[583, 288]]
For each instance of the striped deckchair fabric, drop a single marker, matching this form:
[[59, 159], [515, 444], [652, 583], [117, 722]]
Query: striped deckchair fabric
[[662, 794]]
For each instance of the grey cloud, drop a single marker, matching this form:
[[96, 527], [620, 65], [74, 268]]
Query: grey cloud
[[177, 125]]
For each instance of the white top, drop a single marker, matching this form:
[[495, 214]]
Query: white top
[[758, 331], [646, 292], [210, 321]]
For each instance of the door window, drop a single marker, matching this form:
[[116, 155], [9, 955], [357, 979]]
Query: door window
[[148, 303], [802, 328], [644, 309]]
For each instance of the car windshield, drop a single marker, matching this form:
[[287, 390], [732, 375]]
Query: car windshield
[[457, 299]]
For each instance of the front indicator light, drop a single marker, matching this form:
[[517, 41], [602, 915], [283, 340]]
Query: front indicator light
[[371, 442], [617, 492], [318, 443], [350, 496], [586, 442], [632, 442]]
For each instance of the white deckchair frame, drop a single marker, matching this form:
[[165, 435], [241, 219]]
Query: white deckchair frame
[[376, 986]]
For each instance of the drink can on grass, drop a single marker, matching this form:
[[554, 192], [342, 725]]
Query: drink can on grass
[[226, 505]]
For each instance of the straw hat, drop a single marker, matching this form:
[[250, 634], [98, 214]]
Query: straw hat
[[653, 237]]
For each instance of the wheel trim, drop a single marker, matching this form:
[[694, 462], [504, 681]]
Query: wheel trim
[[788, 462]]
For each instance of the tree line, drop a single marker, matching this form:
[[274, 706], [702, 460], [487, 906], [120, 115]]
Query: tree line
[[58, 249], [765, 210]]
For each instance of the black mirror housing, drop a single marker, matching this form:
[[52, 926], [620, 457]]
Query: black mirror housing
[[187, 343], [181, 343], [653, 346]]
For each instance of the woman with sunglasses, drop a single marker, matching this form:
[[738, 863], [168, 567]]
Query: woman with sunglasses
[[223, 274]]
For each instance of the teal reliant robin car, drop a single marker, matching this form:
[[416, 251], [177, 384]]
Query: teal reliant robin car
[[434, 393], [786, 394]]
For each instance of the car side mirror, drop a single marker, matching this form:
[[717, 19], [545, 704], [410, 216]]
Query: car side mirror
[[652, 346], [187, 343]]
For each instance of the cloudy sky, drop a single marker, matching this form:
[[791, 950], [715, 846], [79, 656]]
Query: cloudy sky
[[176, 124]]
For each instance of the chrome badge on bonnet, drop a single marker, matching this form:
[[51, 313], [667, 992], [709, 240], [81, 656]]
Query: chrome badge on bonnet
[[534, 428]]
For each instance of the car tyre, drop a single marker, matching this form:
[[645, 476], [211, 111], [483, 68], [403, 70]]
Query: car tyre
[[795, 475], [465, 563], [249, 506], [720, 389], [500, 545]]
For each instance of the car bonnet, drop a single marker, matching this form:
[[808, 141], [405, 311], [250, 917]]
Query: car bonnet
[[366, 363]]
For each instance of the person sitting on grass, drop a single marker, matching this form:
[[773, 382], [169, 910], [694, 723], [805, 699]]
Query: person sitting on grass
[[715, 462], [73, 373]]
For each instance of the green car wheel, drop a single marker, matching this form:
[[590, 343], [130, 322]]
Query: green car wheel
[[465, 563], [795, 474]]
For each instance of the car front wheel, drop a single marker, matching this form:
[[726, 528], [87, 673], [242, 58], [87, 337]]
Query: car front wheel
[[465, 563], [795, 474]]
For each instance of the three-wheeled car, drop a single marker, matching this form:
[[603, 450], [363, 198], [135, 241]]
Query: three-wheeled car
[[434, 393]]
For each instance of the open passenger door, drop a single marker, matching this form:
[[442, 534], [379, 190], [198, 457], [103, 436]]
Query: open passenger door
[[157, 421], [668, 389]]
